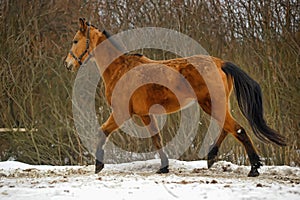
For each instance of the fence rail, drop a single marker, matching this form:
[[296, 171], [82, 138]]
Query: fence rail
[[17, 130]]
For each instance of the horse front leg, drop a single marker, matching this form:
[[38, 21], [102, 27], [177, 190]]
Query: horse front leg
[[152, 126], [106, 129]]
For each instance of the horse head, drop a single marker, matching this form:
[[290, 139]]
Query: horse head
[[84, 41]]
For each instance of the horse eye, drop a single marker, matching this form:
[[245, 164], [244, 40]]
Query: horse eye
[[75, 41]]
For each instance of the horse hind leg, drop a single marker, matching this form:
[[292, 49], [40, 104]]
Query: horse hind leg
[[240, 134], [214, 149], [231, 126], [151, 123]]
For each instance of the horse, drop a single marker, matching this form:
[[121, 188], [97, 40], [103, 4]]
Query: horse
[[246, 89]]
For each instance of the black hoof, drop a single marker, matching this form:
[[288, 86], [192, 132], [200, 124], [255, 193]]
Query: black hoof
[[211, 162], [98, 166], [253, 173], [254, 169], [163, 170]]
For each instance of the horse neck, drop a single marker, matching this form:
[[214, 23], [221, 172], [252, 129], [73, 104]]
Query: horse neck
[[107, 56]]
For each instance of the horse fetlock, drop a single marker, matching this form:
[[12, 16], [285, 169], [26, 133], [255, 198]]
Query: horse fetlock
[[257, 165], [212, 156], [213, 153], [99, 154]]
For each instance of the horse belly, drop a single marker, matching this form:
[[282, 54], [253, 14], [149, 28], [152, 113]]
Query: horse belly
[[157, 99]]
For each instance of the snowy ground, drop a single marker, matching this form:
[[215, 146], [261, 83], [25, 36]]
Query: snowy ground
[[137, 180]]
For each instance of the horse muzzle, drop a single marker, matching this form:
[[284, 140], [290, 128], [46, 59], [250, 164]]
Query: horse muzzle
[[69, 65]]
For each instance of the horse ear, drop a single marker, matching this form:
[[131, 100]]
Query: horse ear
[[82, 24]]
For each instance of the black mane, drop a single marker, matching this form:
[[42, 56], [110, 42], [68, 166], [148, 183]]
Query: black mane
[[106, 33], [116, 44]]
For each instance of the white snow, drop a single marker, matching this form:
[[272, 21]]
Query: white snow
[[137, 180]]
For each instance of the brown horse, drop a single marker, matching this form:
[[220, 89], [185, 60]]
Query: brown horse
[[247, 91]]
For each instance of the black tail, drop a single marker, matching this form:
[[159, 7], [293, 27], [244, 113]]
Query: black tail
[[249, 97]]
